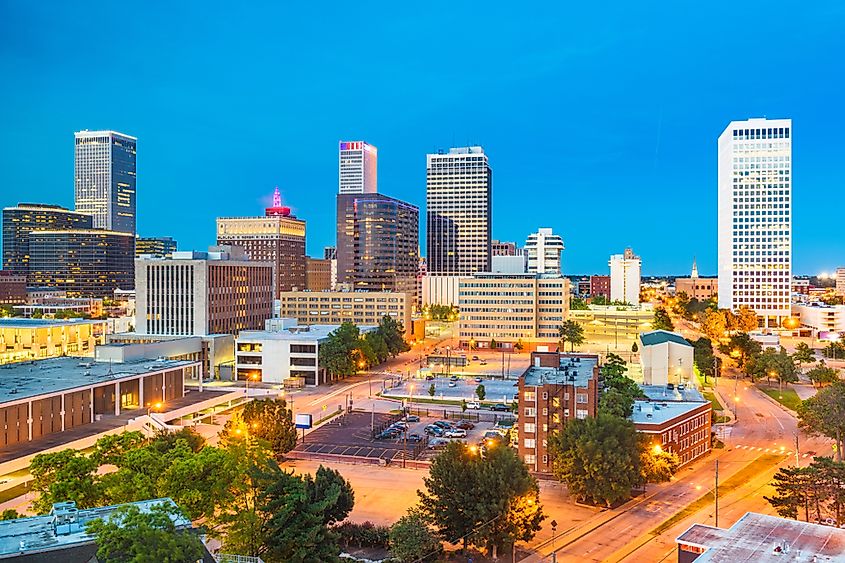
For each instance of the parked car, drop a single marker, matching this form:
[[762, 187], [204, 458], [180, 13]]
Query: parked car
[[429, 378], [670, 386], [501, 407], [433, 430], [414, 438], [401, 425], [389, 434], [493, 435], [412, 418], [478, 380], [453, 378], [473, 405], [475, 358], [456, 433], [465, 424], [437, 443], [483, 362], [443, 424], [453, 384]]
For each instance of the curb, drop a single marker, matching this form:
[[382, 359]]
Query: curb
[[788, 411]]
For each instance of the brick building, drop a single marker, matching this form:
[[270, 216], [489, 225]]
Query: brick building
[[12, 287], [318, 274], [678, 426], [556, 388], [600, 285]]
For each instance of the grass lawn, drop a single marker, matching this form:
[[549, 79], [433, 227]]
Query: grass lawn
[[710, 396], [788, 398]]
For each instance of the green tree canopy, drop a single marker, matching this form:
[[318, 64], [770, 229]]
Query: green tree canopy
[[572, 332], [803, 353], [411, 540], [824, 414], [705, 360], [67, 475], [269, 420], [661, 320], [822, 374]]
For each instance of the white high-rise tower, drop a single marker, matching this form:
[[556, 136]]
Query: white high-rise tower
[[544, 249], [104, 178], [357, 168], [625, 277], [755, 218]]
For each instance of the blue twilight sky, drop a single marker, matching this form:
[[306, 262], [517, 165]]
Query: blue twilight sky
[[600, 120]]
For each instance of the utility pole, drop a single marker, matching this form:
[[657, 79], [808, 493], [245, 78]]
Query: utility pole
[[796, 448], [716, 493]]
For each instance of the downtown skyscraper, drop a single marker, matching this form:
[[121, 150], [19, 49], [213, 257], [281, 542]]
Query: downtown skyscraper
[[357, 168], [104, 179], [755, 218], [459, 194]]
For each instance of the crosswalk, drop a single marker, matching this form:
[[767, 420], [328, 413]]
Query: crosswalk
[[768, 450]]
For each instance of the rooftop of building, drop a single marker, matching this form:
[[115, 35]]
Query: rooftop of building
[[81, 232], [759, 537], [289, 329], [64, 527], [86, 133], [231, 253], [574, 370], [654, 412], [656, 337], [663, 393], [22, 380], [819, 305], [20, 322], [47, 206]]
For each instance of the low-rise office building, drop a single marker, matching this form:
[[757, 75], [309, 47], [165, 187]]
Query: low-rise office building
[[34, 339], [12, 287], [215, 352], [58, 306], [820, 318], [681, 427], [338, 307], [49, 396], [284, 352], [600, 285], [512, 309], [666, 357], [760, 537], [555, 389]]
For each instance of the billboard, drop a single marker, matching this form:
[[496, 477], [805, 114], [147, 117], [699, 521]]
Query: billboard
[[303, 421]]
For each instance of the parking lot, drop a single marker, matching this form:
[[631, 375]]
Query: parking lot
[[496, 390]]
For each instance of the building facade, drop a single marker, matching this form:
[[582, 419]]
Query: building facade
[[555, 389], [83, 263], [336, 307], [20, 221], [512, 309], [104, 178], [357, 168], [508, 264], [840, 282], [12, 287], [680, 427], [544, 249], [159, 247], [22, 340], [755, 218], [503, 248], [625, 277], [199, 293], [377, 243], [278, 238], [459, 194], [318, 274], [600, 285], [824, 321], [666, 357], [613, 323]]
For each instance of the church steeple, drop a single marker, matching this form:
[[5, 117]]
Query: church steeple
[[694, 268]]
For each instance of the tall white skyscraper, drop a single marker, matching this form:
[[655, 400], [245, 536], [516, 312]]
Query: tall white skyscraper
[[544, 249], [459, 194], [357, 168], [625, 277], [755, 218], [104, 178]]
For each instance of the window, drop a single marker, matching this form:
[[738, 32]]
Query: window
[[530, 459], [529, 427], [530, 443], [580, 414]]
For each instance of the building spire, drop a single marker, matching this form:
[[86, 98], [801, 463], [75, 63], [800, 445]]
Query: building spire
[[277, 198], [694, 268]]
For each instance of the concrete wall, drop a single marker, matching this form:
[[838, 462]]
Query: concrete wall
[[668, 362]]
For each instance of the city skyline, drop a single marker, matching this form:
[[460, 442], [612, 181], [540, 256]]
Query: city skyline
[[571, 120]]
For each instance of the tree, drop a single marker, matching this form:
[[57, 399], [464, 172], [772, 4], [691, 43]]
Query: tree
[[200, 482], [336, 353], [824, 414], [817, 490], [657, 465], [480, 392], [634, 348], [519, 346], [132, 536], [661, 320], [67, 475], [572, 332], [432, 390], [490, 501], [493, 344], [329, 485], [616, 402], [598, 459], [411, 540], [743, 349], [111, 449], [790, 492], [822, 374], [714, 325], [835, 350], [265, 419], [377, 346], [10, 514], [392, 332], [773, 363], [746, 319], [578, 304], [614, 366], [803, 354], [702, 351]]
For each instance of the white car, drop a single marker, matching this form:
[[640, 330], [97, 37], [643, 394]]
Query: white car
[[473, 405], [455, 433]]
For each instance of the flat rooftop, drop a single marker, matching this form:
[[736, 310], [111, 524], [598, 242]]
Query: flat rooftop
[[656, 337], [14, 322], [37, 533], [663, 393], [29, 379], [310, 332], [653, 412], [758, 537], [575, 371]]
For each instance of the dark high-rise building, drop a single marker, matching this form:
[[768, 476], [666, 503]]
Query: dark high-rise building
[[329, 252], [104, 178], [459, 190], [377, 242], [278, 237], [20, 221], [159, 247], [84, 262]]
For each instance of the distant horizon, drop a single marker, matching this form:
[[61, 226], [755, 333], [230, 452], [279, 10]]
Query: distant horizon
[[602, 131]]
